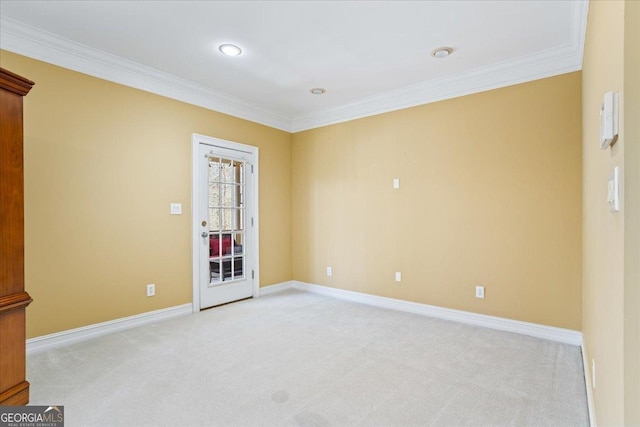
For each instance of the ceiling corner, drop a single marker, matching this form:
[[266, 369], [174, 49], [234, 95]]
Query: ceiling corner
[[47, 47]]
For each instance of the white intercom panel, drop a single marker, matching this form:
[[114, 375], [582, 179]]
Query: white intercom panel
[[609, 119]]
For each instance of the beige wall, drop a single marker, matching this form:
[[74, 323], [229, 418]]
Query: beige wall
[[489, 194], [611, 240], [632, 212], [102, 164]]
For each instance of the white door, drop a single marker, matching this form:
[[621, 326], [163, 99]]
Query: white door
[[223, 214]]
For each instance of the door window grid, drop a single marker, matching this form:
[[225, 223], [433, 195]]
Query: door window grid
[[226, 219]]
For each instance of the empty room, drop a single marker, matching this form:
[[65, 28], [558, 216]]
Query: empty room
[[320, 213]]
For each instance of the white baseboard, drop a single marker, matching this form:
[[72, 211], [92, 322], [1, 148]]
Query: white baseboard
[[587, 386], [44, 342], [566, 336], [276, 288]]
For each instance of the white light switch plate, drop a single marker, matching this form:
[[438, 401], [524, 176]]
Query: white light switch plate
[[396, 182], [176, 208], [613, 190]]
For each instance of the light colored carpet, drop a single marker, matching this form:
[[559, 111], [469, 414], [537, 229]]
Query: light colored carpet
[[301, 359]]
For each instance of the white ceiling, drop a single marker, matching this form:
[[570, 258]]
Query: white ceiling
[[371, 56]]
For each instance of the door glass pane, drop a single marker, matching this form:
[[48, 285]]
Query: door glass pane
[[216, 274], [215, 216], [227, 195], [238, 263], [214, 258], [226, 220], [216, 245], [214, 195], [238, 246], [214, 169], [227, 171]]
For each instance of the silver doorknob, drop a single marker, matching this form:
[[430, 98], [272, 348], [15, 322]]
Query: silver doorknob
[[204, 234]]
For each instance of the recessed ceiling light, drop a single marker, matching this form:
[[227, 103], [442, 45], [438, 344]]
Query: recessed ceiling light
[[318, 91], [441, 52], [230, 49]]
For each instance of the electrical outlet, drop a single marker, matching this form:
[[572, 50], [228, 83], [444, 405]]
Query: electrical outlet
[[329, 271], [151, 290], [398, 276], [479, 291]]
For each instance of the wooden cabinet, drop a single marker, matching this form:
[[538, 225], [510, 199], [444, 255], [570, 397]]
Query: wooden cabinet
[[14, 388]]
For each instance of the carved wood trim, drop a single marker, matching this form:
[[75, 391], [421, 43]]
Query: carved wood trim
[[14, 389], [14, 83], [13, 301], [16, 395]]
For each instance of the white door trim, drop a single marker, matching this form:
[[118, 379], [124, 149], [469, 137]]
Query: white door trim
[[196, 140]]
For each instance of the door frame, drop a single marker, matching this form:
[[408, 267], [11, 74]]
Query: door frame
[[252, 211]]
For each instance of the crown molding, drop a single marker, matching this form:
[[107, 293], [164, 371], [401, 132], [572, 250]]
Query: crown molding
[[35, 43], [547, 63], [38, 44], [520, 70], [580, 14]]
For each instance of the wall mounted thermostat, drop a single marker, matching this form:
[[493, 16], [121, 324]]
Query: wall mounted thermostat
[[609, 120]]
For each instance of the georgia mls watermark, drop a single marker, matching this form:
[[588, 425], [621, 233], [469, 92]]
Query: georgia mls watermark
[[31, 416]]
